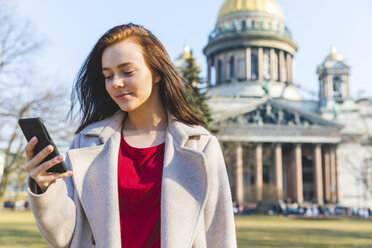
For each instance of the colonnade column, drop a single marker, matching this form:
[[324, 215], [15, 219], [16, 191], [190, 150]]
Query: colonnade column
[[346, 80], [318, 178], [327, 175], [272, 64], [322, 93], [224, 67], [325, 87], [248, 62], [329, 87], [236, 66], [281, 66], [209, 61], [299, 197], [338, 189], [278, 165], [333, 174], [290, 175], [289, 68], [239, 187], [216, 69], [258, 172], [344, 90], [260, 63]]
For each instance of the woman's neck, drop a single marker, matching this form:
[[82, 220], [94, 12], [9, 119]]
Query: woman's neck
[[146, 121], [146, 125], [147, 118]]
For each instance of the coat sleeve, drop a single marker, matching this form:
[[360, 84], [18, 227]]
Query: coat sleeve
[[218, 212], [54, 210]]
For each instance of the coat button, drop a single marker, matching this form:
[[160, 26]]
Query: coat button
[[92, 240]]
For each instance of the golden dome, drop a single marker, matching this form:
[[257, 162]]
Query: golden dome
[[334, 55], [266, 6], [186, 52]]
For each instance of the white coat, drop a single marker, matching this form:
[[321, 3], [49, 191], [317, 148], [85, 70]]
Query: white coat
[[83, 210]]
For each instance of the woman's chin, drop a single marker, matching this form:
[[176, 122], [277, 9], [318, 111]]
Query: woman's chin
[[127, 108]]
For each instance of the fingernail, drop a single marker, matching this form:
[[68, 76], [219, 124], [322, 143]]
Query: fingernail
[[60, 157], [50, 147]]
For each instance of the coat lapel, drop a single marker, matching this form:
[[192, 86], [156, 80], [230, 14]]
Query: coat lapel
[[184, 184], [95, 179], [184, 189]]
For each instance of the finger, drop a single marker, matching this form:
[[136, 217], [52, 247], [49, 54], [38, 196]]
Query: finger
[[63, 175], [36, 160], [45, 180], [48, 164], [52, 176], [30, 148]]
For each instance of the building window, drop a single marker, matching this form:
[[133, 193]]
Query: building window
[[231, 67], [234, 26], [213, 76], [337, 87], [244, 25], [220, 72], [247, 179], [260, 25], [266, 173], [254, 67]]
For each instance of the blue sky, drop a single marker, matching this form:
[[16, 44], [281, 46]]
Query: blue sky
[[71, 28]]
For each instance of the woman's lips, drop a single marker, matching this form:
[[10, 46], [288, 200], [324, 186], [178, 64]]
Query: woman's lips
[[123, 96]]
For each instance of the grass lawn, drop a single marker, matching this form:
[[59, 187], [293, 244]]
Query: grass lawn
[[17, 229], [265, 231]]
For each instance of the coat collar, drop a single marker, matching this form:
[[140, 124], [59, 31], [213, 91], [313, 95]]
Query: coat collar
[[184, 182], [107, 127]]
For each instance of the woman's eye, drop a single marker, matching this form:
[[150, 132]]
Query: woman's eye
[[108, 77], [128, 72]]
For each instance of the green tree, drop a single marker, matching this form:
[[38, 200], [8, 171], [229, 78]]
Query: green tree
[[196, 95]]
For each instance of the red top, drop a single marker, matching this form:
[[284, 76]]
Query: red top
[[139, 183]]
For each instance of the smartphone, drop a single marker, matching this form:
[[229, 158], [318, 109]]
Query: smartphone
[[34, 127]]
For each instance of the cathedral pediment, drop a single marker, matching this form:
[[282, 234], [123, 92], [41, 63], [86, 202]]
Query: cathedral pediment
[[276, 113], [275, 121]]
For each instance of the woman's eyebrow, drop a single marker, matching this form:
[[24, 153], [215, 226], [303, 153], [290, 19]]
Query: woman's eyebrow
[[119, 66]]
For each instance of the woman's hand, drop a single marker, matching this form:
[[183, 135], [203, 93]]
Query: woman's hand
[[38, 171]]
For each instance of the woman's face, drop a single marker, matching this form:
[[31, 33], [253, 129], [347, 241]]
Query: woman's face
[[128, 79]]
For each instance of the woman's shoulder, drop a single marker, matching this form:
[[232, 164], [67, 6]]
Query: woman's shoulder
[[98, 130], [112, 121], [180, 128], [192, 136]]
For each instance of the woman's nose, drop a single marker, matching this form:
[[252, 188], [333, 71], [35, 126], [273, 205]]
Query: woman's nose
[[118, 81]]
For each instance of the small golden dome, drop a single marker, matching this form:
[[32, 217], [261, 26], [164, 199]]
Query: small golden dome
[[186, 51], [266, 6], [334, 55]]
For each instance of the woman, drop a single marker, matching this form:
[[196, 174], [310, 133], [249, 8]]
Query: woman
[[143, 170]]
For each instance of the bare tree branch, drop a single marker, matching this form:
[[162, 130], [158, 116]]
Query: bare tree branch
[[19, 43]]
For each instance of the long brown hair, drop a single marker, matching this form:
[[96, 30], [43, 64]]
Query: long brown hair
[[89, 86]]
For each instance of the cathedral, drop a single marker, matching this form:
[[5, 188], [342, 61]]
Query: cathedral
[[277, 145]]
